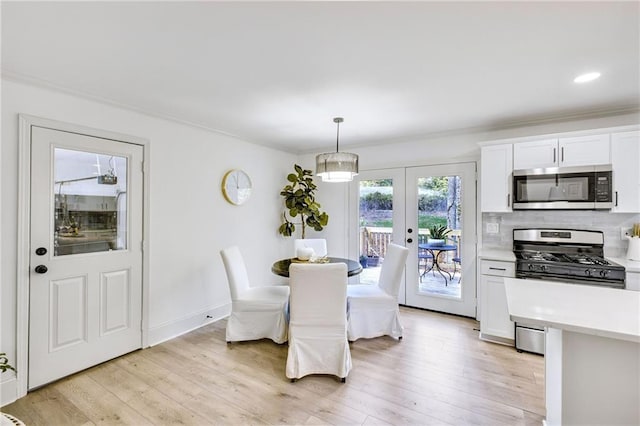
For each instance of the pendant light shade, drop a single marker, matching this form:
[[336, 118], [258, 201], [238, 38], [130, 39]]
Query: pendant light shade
[[337, 166]]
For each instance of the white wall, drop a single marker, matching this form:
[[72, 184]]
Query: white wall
[[189, 219]]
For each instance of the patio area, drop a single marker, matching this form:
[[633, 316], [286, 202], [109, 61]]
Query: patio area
[[430, 283]]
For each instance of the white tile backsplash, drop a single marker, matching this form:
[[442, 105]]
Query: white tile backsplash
[[609, 223]]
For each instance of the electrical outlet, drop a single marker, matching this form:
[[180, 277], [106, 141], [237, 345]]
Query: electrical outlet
[[624, 232], [493, 228]]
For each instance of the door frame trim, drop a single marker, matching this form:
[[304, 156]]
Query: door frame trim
[[25, 123]]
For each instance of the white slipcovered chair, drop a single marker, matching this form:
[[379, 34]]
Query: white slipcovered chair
[[256, 312], [319, 246], [373, 309], [318, 321]]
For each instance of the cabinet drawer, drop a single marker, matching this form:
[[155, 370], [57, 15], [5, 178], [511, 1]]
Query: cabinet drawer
[[497, 268]]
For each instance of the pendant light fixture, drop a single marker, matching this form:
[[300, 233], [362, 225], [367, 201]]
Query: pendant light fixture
[[337, 166]]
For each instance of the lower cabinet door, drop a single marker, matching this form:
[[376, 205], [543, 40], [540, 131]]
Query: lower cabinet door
[[494, 317]]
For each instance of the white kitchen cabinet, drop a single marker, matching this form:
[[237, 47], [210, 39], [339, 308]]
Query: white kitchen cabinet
[[584, 150], [625, 159], [562, 152], [633, 281], [495, 324], [535, 154], [496, 165]]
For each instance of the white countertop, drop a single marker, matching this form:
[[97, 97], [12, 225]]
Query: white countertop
[[629, 265], [496, 254], [600, 311]]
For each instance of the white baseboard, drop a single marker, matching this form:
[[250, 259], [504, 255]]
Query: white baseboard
[[8, 391], [175, 328]]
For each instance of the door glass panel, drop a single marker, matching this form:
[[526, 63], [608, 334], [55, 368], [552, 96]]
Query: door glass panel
[[439, 260], [90, 213], [376, 226]]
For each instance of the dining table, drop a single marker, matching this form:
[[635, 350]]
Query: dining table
[[436, 251], [281, 267]]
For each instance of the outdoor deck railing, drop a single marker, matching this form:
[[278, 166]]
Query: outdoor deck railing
[[374, 240]]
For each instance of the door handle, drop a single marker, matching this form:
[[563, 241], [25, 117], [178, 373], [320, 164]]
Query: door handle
[[41, 251], [409, 240], [41, 269]]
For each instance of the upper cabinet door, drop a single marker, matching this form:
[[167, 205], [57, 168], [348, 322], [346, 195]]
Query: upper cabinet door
[[536, 154], [495, 178], [564, 152], [625, 157], [584, 150]]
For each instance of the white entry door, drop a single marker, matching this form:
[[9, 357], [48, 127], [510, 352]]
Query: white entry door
[[85, 297], [441, 276]]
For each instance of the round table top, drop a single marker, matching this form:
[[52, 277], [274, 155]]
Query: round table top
[[281, 267], [442, 247]]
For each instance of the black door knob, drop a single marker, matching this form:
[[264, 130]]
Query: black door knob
[[409, 230], [410, 240], [41, 269], [41, 251]]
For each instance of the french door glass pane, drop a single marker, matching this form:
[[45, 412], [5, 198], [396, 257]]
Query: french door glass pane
[[439, 206], [376, 226], [90, 213]]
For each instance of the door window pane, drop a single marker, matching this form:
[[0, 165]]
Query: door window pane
[[90, 202], [376, 226], [439, 260]]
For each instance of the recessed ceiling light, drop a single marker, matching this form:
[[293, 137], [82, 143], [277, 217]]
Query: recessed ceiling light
[[584, 78]]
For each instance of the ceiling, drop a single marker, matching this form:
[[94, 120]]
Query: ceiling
[[276, 73]]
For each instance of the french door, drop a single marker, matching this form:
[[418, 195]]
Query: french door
[[377, 217], [441, 276], [85, 293], [403, 205]]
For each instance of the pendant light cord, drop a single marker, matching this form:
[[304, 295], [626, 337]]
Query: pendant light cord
[[338, 120]]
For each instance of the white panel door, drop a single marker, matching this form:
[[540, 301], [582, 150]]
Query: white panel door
[[86, 263]]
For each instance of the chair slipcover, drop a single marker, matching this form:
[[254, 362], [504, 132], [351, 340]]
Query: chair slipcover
[[373, 309], [319, 246], [318, 321], [256, 312]]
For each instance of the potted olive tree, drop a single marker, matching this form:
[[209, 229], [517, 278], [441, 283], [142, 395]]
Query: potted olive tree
[[300, 200]]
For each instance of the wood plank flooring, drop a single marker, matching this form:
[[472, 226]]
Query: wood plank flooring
[[439, 374]]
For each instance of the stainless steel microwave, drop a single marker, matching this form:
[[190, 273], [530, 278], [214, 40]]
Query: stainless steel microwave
[[563, 188]]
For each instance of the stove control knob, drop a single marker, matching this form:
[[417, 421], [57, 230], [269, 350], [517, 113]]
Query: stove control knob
[[587, 272], [604, 273], [543, 268], [531, 266]]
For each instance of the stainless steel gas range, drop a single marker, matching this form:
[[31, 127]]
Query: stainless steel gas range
[[566, 255]]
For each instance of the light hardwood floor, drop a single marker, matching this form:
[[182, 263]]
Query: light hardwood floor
[[439, 373]]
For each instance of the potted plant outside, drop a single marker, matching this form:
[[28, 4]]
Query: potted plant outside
[[438, 235], [300, 200], [373, 258]]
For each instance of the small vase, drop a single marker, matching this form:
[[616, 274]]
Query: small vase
[[436, 242], [633, 251], [304, 253]]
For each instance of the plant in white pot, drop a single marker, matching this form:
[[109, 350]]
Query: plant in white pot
[[438, 235]]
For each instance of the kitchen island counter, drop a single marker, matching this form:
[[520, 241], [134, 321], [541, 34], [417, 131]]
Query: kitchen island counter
[[588, 309], [592, 349]]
